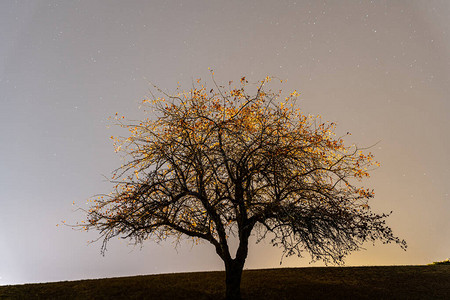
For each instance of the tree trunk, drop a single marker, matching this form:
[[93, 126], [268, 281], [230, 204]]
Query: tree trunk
[[234, 267], [233, 271]]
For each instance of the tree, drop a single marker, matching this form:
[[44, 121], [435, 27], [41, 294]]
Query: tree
[[221, 162]]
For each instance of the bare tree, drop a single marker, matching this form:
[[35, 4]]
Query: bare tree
[[220, 162]]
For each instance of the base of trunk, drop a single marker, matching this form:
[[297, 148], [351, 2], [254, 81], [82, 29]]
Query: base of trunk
[[233, 280]]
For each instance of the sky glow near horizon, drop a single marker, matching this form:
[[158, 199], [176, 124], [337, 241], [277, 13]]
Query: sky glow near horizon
[[379, 69]]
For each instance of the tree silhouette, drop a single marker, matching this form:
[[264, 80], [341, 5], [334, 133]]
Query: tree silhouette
[[220, 162]]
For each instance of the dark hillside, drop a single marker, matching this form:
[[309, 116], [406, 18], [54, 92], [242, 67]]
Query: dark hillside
[[391, 282]]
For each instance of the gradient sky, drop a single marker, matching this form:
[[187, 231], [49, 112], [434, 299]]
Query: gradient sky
[[379, 69]]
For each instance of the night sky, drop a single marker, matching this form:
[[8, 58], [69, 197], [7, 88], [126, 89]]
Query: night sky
[[379, 69]]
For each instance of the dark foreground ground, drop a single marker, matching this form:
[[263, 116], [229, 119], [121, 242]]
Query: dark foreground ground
[[392, 282]]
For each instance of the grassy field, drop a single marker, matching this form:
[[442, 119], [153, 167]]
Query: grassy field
[[391, 282]]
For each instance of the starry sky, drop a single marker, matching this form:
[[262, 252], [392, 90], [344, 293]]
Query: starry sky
[[379, 69]]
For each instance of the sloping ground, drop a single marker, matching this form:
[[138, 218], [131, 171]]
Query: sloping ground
[[391, 282]]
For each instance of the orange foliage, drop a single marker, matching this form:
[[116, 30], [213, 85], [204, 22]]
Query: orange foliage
[[214, 159]]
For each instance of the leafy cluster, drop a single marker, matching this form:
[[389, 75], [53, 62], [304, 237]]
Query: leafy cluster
[[220, 162], [442, 262]]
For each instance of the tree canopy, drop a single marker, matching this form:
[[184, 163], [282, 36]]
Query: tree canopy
[[218, 162]]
